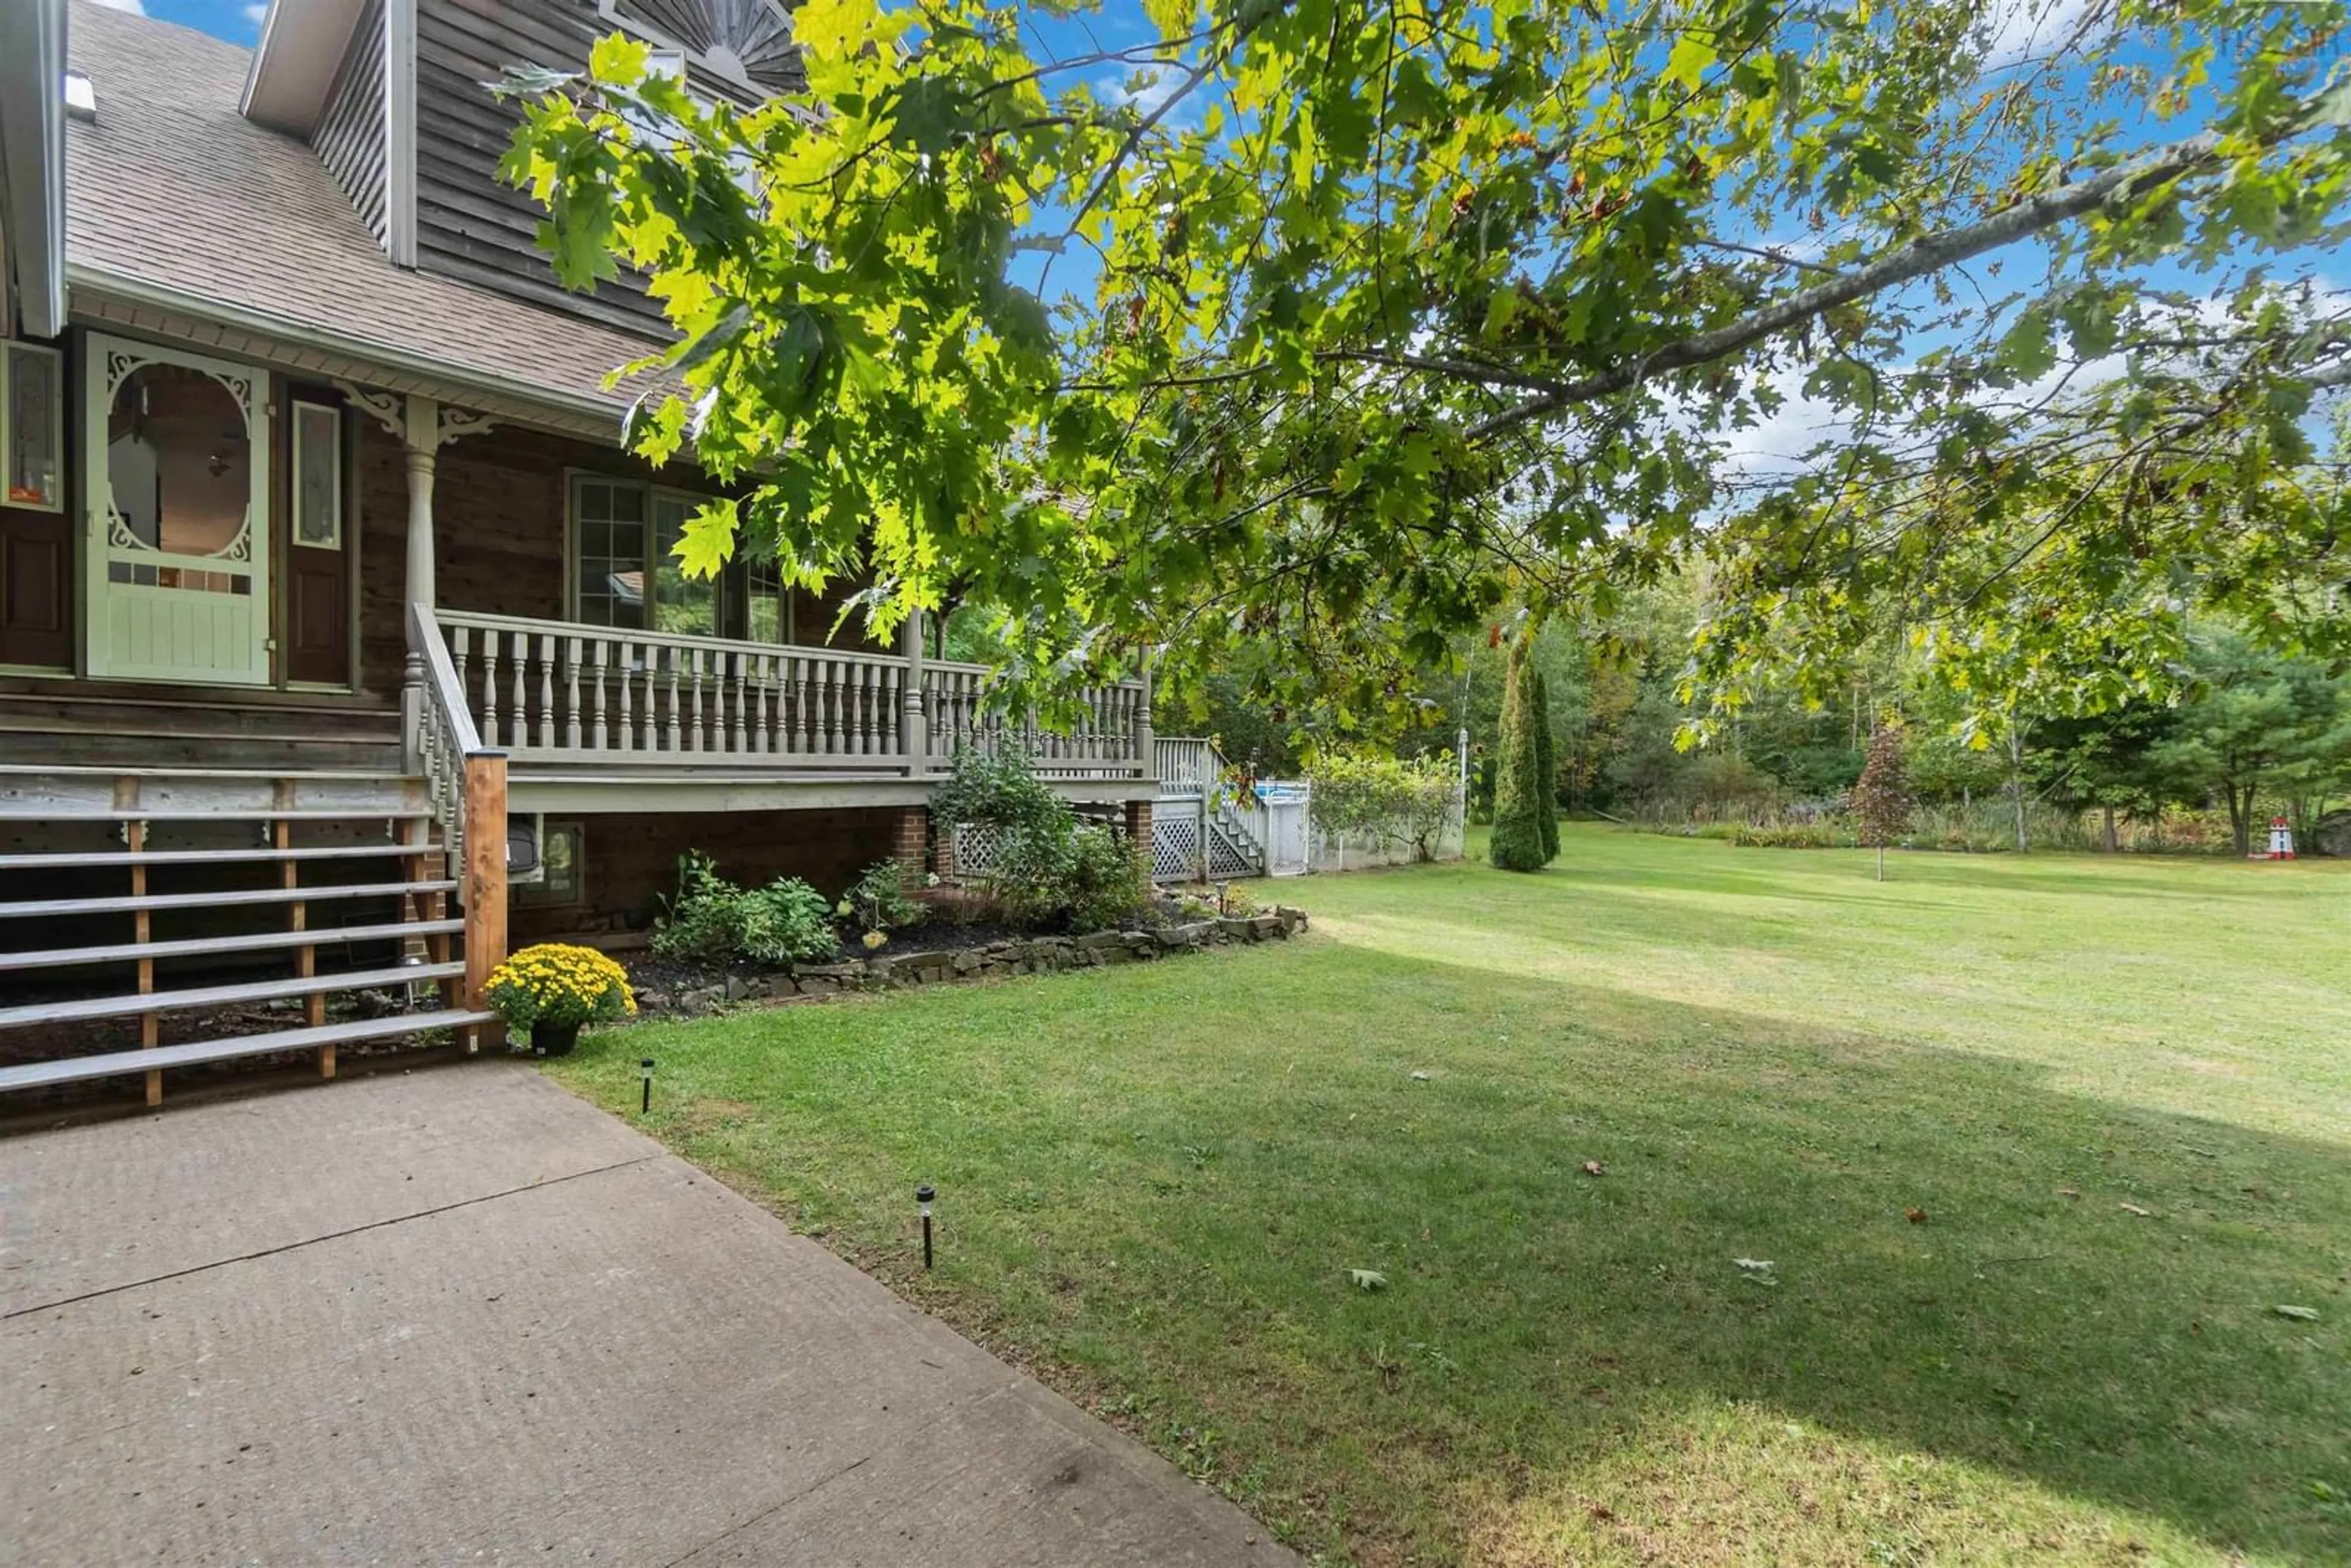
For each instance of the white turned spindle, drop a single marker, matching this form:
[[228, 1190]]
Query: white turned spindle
[[597, 736], [490, 687], [571, 696], [831, 707], [625, 660], [519, 716], [546, 730]]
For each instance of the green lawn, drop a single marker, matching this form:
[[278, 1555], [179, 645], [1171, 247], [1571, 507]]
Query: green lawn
[[1154, 1182]]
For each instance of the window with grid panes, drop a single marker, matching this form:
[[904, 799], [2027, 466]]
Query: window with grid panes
[[608, 552]]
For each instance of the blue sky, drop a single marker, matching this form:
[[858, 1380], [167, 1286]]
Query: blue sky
[[235, 20], [1115, 23], [240, 21]]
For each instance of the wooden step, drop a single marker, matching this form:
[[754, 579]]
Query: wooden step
[[85, 1008], [79, 705], [88, 692], [125, 1063], [13, 767], [260, 942], [74, 860], [101, 749], [12, 813], [244, 895]]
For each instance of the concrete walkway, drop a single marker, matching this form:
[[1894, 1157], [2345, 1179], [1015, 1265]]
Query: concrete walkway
[[461, 1315]]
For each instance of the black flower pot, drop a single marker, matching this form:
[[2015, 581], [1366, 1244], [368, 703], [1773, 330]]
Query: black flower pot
[[553, 1039]]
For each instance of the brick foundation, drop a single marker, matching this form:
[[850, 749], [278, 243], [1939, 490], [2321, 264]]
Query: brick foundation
[[1138, 824], [631, 861], [910, 845]]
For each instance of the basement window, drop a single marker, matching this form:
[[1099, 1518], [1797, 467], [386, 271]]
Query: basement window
[[563, 863]]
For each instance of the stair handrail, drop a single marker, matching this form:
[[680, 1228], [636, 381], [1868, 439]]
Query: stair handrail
[[467, 783], [442, 731]]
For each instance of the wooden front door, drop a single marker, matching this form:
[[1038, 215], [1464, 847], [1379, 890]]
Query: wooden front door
[[36, 588], [177, 493], [318, 571]]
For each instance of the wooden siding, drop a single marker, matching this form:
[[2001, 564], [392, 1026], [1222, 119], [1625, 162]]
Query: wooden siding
[[469, 224], [350, 138]]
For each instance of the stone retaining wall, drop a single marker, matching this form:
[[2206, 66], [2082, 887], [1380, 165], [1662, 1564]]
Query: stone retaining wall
[[1019, 955]]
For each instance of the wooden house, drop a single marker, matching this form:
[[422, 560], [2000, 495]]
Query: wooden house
[[339, 640]]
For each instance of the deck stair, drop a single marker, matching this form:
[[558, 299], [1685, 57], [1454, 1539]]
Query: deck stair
[[1200, 817], [218, 914]]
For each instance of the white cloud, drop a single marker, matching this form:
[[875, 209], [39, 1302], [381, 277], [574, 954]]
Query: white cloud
[[255, 13], [136, 7], [1143, 90], [2018, 29]]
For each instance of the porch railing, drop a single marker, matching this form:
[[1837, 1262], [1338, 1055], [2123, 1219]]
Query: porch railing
[[1187, 765], [1103, 740], [597, 695]]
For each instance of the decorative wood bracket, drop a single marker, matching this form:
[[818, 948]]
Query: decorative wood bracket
[[396, 414], [458, 422], [387, 407]]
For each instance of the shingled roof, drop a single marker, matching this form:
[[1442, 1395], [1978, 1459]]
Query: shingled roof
[[172, 189]]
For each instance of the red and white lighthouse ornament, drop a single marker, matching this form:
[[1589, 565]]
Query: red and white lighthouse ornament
[[2281, 839]]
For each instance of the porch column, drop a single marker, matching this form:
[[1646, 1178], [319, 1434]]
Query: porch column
[[422, 426], [421, 435], [424, 439], [1146, 762], [913, 734]]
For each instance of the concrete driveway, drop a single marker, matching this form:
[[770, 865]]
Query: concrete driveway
[[460, 1315]]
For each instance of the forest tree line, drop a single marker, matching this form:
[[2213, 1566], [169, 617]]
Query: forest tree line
[[2247, 733]]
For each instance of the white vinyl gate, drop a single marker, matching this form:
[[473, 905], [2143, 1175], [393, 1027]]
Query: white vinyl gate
[[1287, 849]]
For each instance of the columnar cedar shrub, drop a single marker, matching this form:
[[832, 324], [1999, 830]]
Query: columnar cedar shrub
[[1518, 796], [1881, 800], [1547, 768]]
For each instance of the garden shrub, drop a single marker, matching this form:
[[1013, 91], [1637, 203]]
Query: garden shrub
[[877, 902], [712, 919], [1790, 836], [996, 790], [1049, 868], [1108, 879], [1380, 801]]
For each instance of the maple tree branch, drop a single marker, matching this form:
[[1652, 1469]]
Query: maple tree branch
[[1929, 253]]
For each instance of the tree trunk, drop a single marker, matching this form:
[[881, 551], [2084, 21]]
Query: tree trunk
[[2240, 826], [1881, 862], [2016, 781], [2110, 844]]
